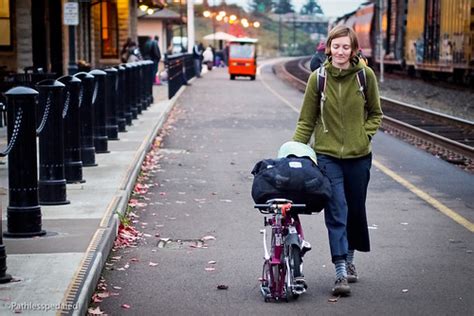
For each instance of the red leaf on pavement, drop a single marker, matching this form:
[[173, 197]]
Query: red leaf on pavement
[[95, 311]]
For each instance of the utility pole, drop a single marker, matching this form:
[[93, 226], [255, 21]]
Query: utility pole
[[190, 21], [294, 32], [381, 49], [181, 25], [279, 27]]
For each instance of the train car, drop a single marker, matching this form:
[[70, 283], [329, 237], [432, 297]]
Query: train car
[[440, 36], [425, 36], [363, 25]]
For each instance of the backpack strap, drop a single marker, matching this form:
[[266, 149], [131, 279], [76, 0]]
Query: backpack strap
[[362, 81], [321, 71]]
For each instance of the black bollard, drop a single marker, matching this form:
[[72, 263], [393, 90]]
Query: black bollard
[[151, 73], [72, 127], [87, 119], [121, 120], [131, 111], [99, 104], [111, 103], [145, 81], [52, 179], [4, 276], [142, 82], [23, 211], [136, 87]]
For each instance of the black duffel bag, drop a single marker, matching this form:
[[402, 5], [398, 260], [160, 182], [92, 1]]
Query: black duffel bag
[[297, 179]]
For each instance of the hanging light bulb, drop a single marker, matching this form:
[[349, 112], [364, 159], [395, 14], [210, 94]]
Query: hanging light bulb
[[150, 11], [143, 7]]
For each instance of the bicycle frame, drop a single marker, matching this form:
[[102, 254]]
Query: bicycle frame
[[278, 280]]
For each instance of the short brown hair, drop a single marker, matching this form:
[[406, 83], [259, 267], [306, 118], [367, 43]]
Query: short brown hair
[[341, 31]]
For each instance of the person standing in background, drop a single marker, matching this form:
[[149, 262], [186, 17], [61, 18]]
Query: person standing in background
[[197, 56], [152, 52], [319, 57]]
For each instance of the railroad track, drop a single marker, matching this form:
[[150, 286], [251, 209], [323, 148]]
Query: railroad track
[[447, 137]]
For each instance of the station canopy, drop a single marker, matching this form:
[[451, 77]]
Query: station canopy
[[219, 36]]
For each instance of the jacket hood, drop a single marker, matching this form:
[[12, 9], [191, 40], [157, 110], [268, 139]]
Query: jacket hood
[[337, 73]]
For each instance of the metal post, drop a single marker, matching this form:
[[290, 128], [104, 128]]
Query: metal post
[[72, 129], [144, 79], [137, 82], [279, 33], [381, 49], [111, 105], [181, 24], [87, 119], [72, 67], [23, 211], [127, 93], [4, 276], [121, 121], [100, 131], [52, 179], [132, 88]]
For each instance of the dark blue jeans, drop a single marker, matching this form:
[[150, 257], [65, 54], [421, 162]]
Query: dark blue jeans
[[345, 214]]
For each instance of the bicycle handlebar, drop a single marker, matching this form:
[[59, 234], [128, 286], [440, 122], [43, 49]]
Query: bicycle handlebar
[[267, 207]]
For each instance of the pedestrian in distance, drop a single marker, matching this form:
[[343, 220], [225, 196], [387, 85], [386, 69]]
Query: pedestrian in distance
[[319, 56], [124, 53], [152, 52], [197, 56], [134, 53], [343, 118], [208, 57]]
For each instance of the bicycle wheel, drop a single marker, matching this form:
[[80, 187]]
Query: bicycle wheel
[[266, 286], [295, 260]]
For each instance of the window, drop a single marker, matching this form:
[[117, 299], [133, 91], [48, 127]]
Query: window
[[5, 25], [109, 29]]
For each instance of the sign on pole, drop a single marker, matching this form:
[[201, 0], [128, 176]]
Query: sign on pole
[[71, 13]]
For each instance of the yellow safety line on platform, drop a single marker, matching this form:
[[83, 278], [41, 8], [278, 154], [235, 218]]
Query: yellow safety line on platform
[[427, 198], [420, 193]]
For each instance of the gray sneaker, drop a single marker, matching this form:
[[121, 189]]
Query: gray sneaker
[[341, 287], [351, 273]]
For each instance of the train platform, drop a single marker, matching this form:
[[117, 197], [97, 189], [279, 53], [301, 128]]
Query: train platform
[[420, 216]]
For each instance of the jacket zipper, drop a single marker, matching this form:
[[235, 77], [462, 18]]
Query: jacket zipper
[[342, 121]]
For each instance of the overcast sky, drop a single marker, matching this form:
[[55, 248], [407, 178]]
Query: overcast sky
[[331, 8]]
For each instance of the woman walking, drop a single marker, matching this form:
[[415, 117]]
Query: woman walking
[[343, 115]]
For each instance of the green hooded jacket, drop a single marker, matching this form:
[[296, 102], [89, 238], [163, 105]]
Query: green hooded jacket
[[345, 124]]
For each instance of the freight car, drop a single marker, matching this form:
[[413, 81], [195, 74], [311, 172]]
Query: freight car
[[424, 36]]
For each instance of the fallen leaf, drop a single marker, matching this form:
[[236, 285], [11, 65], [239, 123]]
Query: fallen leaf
[[404, 290], [222, 287], [117, 287], [95, 311], [209, 269], [209, 237], [152, 264], [212, 262], [126, 306], [333, 299]]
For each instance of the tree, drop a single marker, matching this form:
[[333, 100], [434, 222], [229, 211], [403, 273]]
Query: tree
[[311, 7], [261, 6], [283, 6]]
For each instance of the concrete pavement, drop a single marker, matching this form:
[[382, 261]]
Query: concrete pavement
[[57, 273]]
